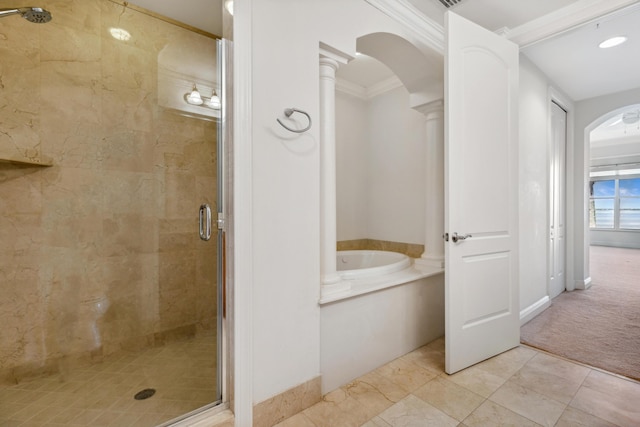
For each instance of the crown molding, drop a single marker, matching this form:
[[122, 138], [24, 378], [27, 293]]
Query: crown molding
[[372, 91], [351, 88], [379, 88], [428, 31], [564, 19]]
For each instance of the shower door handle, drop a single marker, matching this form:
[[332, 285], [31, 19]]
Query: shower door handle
[[205, 222]]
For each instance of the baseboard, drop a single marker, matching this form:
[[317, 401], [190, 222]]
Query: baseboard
[[583, 284], [286, 404], [534, 309]]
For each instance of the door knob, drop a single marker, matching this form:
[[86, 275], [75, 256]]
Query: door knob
[[457, 237]]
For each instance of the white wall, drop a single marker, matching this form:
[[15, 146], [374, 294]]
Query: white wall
[[352, 167], [280, 222], [534, 183], [380, 145], [397, 169]]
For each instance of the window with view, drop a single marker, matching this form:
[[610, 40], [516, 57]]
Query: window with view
[[614, 203]]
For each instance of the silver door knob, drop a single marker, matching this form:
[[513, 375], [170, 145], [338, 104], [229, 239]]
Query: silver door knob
[[457, 237]]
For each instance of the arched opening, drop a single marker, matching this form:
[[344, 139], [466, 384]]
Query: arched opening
[[377, 129]]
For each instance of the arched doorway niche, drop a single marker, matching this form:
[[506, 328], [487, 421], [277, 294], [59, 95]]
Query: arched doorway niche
[[614, 144], [590, 114], [421, 74]]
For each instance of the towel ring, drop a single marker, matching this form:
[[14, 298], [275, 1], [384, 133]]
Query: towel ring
[[288, 112]]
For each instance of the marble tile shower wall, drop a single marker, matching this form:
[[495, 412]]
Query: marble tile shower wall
[[99, 252]]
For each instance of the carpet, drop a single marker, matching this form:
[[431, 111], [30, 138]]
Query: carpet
[[599, 326]]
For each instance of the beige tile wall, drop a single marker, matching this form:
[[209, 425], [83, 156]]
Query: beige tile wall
[[411, 249], [101, 250]]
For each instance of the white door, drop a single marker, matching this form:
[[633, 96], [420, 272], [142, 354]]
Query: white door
[[556, 200], [481, 194]]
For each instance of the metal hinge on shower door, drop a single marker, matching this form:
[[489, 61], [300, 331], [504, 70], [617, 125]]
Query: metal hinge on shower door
[[221, 221]]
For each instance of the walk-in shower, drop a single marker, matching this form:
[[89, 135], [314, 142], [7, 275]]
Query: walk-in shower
[[107, 292], [31, 14]]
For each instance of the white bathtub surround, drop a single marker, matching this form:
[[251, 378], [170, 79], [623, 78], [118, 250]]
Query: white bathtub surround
[[397, 269], [362, 333], [369, 263], [330, 60], [433, 255]]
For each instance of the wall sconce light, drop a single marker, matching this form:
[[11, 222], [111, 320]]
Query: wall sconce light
[[194, 98]]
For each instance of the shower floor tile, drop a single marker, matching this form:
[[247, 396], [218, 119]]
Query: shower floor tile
[[182, 373]]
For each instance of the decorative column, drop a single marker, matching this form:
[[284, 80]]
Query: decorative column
[[433, 255], [331, 283]]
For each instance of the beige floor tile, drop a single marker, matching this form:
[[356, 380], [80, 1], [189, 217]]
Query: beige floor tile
[[412, 411], [546, 383], [328, 414], [490, 414], [528, 403], [437, 344], [356, 411], [26, 413], [298, 420], [559, 367], [376, 422], [452, 399], [7, 409], [406, 374], [428, 358], [572, 417], [371, 399], [391, 391], [613, 384], [619, 408], [508, 363], [477, 380], [95, 394]]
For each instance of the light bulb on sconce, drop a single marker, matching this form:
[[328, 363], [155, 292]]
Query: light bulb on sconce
[[214, 101], [194, 97]]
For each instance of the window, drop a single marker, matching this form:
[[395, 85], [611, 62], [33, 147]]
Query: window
[[630, 203], [614, 203]]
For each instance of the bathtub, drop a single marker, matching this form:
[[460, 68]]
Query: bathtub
[[367, 263], [390, 309]]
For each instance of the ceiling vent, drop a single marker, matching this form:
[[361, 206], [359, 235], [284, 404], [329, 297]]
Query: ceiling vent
[[449, 3]]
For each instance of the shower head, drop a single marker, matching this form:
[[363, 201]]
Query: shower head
[[31, 14]]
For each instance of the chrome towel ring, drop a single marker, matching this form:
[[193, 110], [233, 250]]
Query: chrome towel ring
[[288, 112]]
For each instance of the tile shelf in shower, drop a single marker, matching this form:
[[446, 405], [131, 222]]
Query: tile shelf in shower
[[25, 161]]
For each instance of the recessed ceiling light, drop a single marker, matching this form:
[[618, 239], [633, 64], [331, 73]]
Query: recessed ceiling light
[[613, 41]]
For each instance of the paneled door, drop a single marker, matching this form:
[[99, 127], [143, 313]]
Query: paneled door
[[557, 168], [481, 194]]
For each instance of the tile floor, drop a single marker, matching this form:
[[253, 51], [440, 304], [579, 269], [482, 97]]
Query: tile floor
[[522, 387], [182, 372]]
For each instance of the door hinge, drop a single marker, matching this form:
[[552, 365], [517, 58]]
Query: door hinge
[[220, 221], [445, 236]]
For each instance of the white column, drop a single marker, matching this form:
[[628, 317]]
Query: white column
[[433, 255], [330, 280]]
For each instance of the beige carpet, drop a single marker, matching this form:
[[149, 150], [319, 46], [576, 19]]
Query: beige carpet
[[599, 326]]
